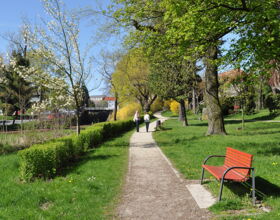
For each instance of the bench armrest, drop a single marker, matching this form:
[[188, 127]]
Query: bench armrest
[[231, 168], [207, 158]]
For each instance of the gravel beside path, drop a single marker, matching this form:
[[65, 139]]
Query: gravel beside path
[[153, 191]]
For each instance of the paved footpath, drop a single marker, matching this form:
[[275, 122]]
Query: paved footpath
[[153, 189]]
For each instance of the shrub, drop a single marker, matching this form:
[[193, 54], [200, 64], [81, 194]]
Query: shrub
[[44, 160], [272, 101], [128, 111], [174, 107], [227, 105]]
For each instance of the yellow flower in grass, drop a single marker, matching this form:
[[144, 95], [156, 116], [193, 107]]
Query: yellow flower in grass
[[274, 163]]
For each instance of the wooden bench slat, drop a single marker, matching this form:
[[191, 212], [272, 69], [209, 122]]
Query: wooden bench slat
[[218, 171]]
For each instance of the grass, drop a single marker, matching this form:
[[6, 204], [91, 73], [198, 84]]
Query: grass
[[187, 147], [13, 141], [88, 189], [169, 114], [261, 115], [190, 115], [3, 117]]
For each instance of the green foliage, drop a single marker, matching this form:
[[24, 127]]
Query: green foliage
[[272, 101], [227, 104], [131, 79], [45, 160], [15, 91]]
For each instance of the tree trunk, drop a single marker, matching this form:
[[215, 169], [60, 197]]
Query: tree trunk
[[148, 102], [260, 96], [78, 123], [115, 108], [147, 106], [182, 113], [215, 116], [193, 101]]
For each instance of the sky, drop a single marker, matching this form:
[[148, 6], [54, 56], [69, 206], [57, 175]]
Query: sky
[[13, 11]]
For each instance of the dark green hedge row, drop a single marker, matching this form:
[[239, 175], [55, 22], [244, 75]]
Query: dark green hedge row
[[43, 160]]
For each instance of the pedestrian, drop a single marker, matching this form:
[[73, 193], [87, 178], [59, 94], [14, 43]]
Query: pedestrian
[[136, 119], [147, 121]]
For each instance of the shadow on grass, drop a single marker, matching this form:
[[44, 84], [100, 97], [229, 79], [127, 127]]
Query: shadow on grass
[[161, 128], [272, 151], [264, 188], [267, 117], [74, 165]]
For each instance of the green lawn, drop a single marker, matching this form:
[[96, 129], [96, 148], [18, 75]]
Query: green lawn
[[261, 115], [188, 146], [190, 115], [88, 189]]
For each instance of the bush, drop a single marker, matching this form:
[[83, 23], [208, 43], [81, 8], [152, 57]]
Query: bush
[[174, 107], [44, 160], [272, 102], [227, 105], [128, 111]]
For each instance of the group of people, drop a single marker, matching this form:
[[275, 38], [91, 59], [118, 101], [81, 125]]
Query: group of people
[[136, 119]]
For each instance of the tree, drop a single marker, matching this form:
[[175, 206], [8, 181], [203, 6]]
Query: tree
[[109, 64], [183, 24], [173, 78], [60, 39], [16, 92], [245, 93], [131, 79]]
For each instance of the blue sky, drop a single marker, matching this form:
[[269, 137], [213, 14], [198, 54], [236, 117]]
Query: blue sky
[[12, 12]]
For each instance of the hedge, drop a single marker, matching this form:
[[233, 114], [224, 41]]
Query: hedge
[[44, 160]]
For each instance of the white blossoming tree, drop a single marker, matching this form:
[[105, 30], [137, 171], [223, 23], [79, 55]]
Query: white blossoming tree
[[58, 38]]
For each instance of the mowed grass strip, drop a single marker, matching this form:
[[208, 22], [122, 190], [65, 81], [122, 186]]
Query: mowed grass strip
[[88, 189], [187, 147]]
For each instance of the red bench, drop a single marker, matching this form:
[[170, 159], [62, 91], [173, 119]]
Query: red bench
[[237, 167]]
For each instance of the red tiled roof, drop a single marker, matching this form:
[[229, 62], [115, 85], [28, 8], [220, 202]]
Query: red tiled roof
[[109, 98], [231, 74]]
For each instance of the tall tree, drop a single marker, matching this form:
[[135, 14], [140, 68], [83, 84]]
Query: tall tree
[[173, 77], [108, 67], [183, 24], [16, 92], [60, 38], [131, 79]]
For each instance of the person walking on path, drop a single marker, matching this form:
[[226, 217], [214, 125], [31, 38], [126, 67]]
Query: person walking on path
[[136, 119], [147, 121]]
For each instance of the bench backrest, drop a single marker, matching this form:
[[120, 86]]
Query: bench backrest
[[238, 159]]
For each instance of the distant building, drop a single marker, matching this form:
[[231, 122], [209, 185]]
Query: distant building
[[103, 101]]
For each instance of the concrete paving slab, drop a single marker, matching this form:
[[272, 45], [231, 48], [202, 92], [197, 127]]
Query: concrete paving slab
[[203, 197]]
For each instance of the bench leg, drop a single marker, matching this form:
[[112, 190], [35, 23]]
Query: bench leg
[[253, 187], [202, 175], [221, 189]]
